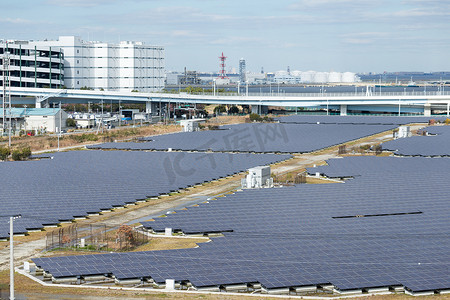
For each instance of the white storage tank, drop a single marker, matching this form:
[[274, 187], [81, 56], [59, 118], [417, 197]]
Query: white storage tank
[[348, 77], [307, 76], [321, 77], [335, 77]]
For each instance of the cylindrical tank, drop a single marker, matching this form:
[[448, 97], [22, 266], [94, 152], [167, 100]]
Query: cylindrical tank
[[321, 77], [348, 77], [307, 76], [334, 77]]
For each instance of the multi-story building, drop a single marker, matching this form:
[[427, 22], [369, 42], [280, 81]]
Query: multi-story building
[[126, 66], [242, 70], [32, 65]]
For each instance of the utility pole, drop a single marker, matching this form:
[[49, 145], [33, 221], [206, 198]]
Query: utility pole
[[11, 256], [6, 96], [60, 123]]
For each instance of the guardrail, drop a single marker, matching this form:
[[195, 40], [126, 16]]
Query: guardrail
[[322, 95]]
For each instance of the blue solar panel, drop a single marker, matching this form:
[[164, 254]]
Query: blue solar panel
[[76, 183], [368, 120], [437, 144], [396, 232], [261, 138]]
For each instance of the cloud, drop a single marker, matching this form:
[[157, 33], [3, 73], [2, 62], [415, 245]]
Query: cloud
[[329, 5], [364, 38], [86, 3], [419, 12], [16, 21]]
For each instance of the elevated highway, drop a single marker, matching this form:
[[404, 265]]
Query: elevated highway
[[393, 102]]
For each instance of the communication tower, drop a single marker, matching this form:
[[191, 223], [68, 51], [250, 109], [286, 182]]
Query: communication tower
[[222, 73]]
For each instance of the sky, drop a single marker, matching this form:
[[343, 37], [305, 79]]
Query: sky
[[321, 35]]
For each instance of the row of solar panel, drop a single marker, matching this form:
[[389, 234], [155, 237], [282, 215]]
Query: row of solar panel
[[260, 138], [77, 183], [432, 145], [368, 120], [287, 237]]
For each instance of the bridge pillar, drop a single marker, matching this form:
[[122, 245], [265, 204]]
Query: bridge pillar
[[260, 109], [41, 103], [343, 110], [427, 110], [151, 107]]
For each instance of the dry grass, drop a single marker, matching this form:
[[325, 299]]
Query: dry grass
[[160, 243], [40, 143], [226, 120], [25, 286], [32, 289]]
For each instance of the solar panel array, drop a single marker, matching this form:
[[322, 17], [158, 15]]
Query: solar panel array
[[431, 145], [368, 120], [77, 183], [258, 137], [382, 228]]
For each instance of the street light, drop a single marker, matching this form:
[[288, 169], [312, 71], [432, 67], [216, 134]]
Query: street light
[[246, 86], [239, 85], [214, 87]]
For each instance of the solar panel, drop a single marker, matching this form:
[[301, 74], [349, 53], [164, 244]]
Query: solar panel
[[437, 144], [290, 237], [258, 137], [352, 119], [76, 183]]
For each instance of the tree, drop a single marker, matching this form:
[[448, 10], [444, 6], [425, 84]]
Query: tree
[[125, 234], [234, 110], [220, 109], [71, 122]]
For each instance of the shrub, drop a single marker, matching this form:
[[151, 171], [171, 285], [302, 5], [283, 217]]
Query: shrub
[[364, 147], [84, 137], [4, 153], [21, 154], [267, 119], [255, 118]]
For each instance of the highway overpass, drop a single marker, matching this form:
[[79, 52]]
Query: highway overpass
[[392, 102]]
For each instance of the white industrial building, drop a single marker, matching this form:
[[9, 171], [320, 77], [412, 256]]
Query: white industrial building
[[295, 77], [39, 120], [32, 65], [126, 66]]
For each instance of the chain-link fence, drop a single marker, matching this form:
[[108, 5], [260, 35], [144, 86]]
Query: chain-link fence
[[96, 237]]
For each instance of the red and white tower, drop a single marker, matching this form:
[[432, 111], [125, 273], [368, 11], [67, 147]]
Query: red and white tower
[[222, 74]]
